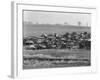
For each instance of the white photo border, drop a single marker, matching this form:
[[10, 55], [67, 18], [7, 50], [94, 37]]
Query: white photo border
[[17, 38]]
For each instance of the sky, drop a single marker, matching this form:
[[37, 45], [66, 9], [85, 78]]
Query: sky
[[43, 17]]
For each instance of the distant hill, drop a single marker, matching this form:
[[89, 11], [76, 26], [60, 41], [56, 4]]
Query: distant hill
[[38, 29]]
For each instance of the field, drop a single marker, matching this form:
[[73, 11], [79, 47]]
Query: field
[[38, 29], [52, 58]]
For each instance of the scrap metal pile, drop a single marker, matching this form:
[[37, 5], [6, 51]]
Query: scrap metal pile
[[67, 40]]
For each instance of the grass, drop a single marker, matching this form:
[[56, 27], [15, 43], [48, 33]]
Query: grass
[[66, 58]]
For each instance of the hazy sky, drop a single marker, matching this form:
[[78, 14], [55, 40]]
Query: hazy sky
[[42, 17]]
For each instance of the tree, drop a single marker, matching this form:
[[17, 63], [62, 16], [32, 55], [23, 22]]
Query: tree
[[79, 23], [65, 23]]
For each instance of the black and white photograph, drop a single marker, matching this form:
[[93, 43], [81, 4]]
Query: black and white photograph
[[55, 39]]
